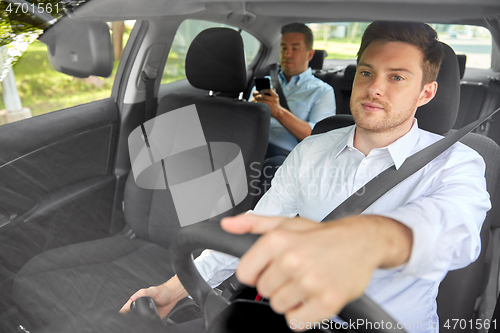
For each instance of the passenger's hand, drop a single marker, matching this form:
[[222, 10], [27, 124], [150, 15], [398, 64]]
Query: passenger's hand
[[165, 296], [255, 93], [271, 98], [311, 270]]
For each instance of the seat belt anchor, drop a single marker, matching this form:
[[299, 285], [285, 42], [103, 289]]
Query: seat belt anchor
[[149, 73]]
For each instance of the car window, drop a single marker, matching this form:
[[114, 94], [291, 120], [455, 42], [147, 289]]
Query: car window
[[187, 31], [473, 41], [341, 40], [33, 87]]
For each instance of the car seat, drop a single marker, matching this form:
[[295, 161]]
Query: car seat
[[102, 274]]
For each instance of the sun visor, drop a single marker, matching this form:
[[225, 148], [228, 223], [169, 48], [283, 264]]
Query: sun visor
[[79, 48]]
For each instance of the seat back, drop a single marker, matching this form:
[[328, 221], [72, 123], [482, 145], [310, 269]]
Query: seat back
[[214, 62], [472, 96], [459, 290]]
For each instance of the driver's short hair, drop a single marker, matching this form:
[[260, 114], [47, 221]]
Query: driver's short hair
[[420, 35], [300, 28]]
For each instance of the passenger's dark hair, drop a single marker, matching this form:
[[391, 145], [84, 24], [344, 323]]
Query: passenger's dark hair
[[301, 28], [420, 35]]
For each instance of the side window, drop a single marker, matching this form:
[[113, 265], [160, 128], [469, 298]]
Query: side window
[[187, 31], [33, 87]]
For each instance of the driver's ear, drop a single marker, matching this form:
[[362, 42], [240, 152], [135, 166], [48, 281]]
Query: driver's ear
[[427, 94]]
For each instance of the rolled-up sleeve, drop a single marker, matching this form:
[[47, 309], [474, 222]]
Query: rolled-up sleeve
[[215, 267], [447, 220]]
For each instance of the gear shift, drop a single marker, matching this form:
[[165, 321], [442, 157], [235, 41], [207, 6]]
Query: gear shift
[[145, 307]]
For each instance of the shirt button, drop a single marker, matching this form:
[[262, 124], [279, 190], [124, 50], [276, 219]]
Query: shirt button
[[287, 88], [364, 162]]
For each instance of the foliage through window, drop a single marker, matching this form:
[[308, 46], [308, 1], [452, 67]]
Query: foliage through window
[[42, 89], [187, 31]]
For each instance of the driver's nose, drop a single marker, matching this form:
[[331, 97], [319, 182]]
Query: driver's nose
[[376, 87]]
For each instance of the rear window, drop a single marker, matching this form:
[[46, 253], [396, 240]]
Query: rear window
[[473, 41], [342, 39]]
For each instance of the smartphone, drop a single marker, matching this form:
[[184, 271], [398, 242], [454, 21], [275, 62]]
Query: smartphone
[[262, 83]]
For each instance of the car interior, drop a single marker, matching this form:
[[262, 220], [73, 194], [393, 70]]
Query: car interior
[[78, 236]]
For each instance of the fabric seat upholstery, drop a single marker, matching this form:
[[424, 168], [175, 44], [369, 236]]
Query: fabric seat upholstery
[[86, 277], [317, 60], [101, 275]]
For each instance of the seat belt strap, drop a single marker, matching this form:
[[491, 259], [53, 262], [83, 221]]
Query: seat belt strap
[[149, 78], [273, 72], [387, 179]]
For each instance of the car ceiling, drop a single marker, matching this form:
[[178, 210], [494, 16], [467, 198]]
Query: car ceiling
[[442, 11], [263, 18]]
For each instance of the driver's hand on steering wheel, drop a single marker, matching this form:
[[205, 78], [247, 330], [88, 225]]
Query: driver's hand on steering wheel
[[309, 270], [165, 296]]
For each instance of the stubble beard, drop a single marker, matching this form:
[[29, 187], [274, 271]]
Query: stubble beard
[[387, 121]]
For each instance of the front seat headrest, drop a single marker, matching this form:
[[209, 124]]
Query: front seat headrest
[[439, 115], [216, 61]]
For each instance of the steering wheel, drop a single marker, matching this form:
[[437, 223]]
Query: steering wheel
[[217, 310]]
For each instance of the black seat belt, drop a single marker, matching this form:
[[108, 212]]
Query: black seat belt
[[149, 78], [387, 179], [273, 72]]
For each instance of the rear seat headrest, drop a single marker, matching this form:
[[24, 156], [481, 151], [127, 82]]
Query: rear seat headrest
[[216, 61], [350, 72], [318, 59], [439, 115], [462, 60]]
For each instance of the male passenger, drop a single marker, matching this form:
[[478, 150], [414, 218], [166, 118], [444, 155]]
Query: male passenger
[[309, 98], [401, 247]]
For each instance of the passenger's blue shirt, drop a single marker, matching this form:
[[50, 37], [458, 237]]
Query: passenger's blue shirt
[[309, 98]]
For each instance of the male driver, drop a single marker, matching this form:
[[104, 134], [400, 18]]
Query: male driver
[[309, 98], [400, 248]]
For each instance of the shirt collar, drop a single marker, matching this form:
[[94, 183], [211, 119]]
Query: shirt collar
[[399, 150], [297, 78], [345, 143]]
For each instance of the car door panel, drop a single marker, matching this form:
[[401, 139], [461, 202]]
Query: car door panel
[[56, 181]]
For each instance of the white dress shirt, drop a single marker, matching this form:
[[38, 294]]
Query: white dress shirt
[[444, 204]]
